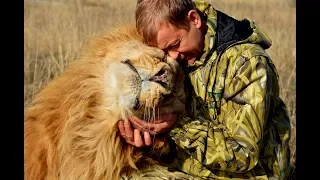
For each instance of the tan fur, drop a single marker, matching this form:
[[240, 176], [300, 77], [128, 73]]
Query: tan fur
[[71, 126]]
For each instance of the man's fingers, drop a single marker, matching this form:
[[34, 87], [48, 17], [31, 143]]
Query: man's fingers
[[134, 136], [147, 138], [138, 139], [138, 123], [143, 125], [121, 128], [158, 128], [128, 130]]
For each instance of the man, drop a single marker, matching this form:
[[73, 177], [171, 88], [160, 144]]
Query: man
[[238, 126]]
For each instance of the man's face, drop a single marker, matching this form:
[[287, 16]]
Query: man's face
[[182, 45]]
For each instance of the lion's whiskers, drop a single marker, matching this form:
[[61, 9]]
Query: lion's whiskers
[[149, 113]]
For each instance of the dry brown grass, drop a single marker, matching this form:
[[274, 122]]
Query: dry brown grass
[[56, 30]]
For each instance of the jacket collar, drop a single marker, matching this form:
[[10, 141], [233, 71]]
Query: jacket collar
[[224, 31]]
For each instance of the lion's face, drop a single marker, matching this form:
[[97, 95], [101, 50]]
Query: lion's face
[[145, 79]]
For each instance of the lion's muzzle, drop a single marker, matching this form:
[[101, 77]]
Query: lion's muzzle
[[161, 78]]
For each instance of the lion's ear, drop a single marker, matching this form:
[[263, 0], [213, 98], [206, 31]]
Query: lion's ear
[[164, 59]]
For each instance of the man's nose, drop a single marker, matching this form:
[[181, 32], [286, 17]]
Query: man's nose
[[173, 54], [176, 55]]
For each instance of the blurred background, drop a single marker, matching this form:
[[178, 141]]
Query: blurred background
[[55, 31]]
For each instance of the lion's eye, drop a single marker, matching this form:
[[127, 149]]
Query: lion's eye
[[127, 61], [164, 59]]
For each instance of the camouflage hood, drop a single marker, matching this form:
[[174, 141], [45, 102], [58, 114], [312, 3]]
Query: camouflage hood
[[230, 31], [224, 31]]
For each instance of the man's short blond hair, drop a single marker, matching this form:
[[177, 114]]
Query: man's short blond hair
[[152, 13]]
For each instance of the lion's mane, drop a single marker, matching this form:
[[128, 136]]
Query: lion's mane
[[71, 128]]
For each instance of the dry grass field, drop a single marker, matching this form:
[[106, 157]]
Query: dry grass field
[[56, 30]]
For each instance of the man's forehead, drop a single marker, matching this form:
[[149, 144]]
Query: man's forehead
[[167, 33]]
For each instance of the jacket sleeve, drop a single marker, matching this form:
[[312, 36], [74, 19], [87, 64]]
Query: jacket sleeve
[[231, 144]]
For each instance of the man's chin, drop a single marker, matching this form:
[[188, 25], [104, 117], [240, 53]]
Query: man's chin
[[191, 61], [186, 62]]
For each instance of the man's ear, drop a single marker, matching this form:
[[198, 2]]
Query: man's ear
[[194, 18]]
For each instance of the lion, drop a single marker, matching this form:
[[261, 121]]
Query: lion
[[70, 128]]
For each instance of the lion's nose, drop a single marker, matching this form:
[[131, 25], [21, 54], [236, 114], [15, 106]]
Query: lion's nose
[[160, 77]]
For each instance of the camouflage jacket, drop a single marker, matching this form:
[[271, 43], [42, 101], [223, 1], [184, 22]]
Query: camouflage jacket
[[238, 126]]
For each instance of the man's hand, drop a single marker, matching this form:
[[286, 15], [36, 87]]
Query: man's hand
[[132, 136]]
